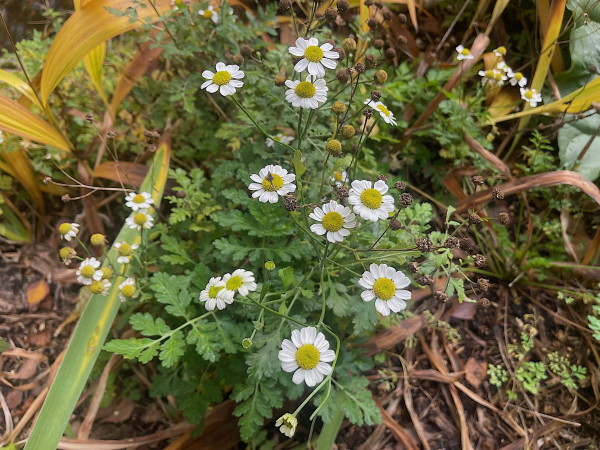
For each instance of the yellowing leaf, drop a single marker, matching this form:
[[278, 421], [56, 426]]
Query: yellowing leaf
[[86, 29], [37, 292], [20, 168], [19, 85], [16, 119]]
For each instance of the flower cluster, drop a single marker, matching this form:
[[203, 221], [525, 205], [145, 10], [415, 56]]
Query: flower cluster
[[140, 205], [220, 291]]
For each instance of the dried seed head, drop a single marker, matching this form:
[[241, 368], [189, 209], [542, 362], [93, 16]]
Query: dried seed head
[[375, 95], [342, 76], [284, 6], [395, 224], [390, 53], [406, 199], [382, 177], [279, 80], [112, 133], [181, 194], [402, 39], [426, 280], [359, 67], [402, 18], [387, 14], [400, 185], [368, 113], [66, 198], [479, 260], [370, 61], [347, 131], [343, 6], [246, 51], [477, 180], [368, 2], [483, 284], [413, 267], [340, 52], [452, 242], [338, 108], [497, 194], [424, 245], [380, 76], [89, 117], [504, 218], [484, 302], [290, 203], [440, 296], [334, 147], [151, 134], [378, 44], [238, 59], [330, 14], [341, 192], [467, 244], [372, 23], [318, 15], [474, 219], [47, 180], [349, 45]]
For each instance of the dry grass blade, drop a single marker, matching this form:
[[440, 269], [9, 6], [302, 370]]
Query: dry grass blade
[[397, 430], [534, 181], [122, 172], [499, 8], [487, 155]]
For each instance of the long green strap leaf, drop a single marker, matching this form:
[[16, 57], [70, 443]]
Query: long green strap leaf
[[89, 336]]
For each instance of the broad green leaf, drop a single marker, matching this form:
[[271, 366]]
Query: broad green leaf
[[573, 137], [91, 331], [92, 25], [16, 119]]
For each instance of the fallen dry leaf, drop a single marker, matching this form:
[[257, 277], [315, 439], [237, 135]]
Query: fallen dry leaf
[[37, 292], [475, 372]]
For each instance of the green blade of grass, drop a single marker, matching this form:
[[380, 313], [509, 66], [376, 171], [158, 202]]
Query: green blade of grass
[[91, 331]]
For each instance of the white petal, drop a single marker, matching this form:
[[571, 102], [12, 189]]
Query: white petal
[[301, 65], [296, 51], [367, 296], [212, 88], [298, 377], [221, 67], [329, 63]]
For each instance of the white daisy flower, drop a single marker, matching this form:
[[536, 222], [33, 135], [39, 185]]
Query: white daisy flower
[[209, 295], [88, 271], [307, 94], [493, 77], [68, 230], [500, 51], [315, 58], [139, 220], [336, 220], [143, 200], [386, 114], [287, 424], [127, 289], [463, 53], [272, 182], [125, 251], [100, 286], [338, 178], [279, 137], [517, 78], [226, 80], [307, 355], [240, 280], [369, 201], [179, 4], [531, 96], [502, 66], [384, 284], [210, 13]]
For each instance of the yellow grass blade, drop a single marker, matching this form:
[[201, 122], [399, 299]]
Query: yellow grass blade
[[20, 85], [21, 169], [16, 119], [499, 8], [86, 29], [91, 331]]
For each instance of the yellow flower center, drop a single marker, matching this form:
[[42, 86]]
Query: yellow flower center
[[337, 176], [313, 53], [501, 50], [97, 287], [529, 95], [371, 198], [277, 138], [274, 185], [384, 110], [207, 14], [308, 356], [125, 249], [384, 288], [88, 271], [106, 273], [489, 74], [465, 51], [139, 198], [497, 76], [222, 77], [64, 228], [212, 292], [333, 221], [305, 89], [128, 290], [234, 283], [139, 219], [518, 76], [66, 252]]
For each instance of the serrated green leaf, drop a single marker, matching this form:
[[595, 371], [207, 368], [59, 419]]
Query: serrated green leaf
[[144, 349], [148, 326], [172, 349]]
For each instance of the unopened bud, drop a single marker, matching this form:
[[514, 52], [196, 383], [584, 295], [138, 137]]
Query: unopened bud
[[338, 108], [359, 67], [378, 44], [349, 45], [279, 80], [395, 225], [270, 265], [380, 76], [399, 185], [330, 14], [334, 147], [238, 59], [347, 131]]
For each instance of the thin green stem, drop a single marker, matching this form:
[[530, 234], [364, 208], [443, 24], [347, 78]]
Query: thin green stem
[[322, 267]]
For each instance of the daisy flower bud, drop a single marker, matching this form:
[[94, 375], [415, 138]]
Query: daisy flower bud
[[347, 131], [279, 80], [68, 230], [338, 108], [307, 355], [334, 147], [349, 45], [106, 273], [100, 286], [270, 265], [98, 239], [246, 342]]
